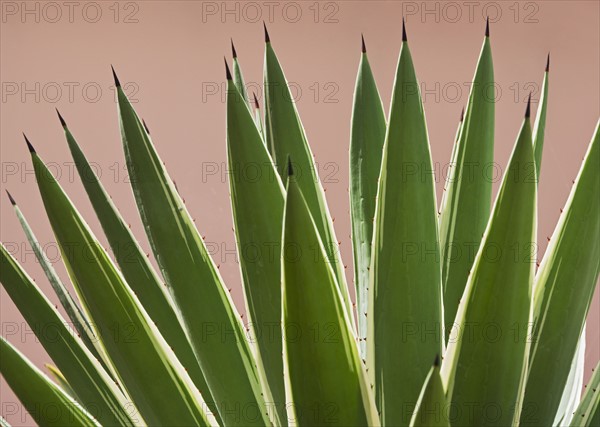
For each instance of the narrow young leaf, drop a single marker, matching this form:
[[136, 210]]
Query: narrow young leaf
[[366, 149], [466, 210], [257, 198], [147, 368], [571, 395], [452, 164], [405, 318], [287, 138], [432, 409], [207, 310], [540, 122], [564, 288], [94, 387], [76, 315], [486, 366], [60, 379], [137, 270], [324, 374], [47, 404]]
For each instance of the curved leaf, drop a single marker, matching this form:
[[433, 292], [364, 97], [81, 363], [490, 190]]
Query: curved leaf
[[145, 365], [207, 310], [46, 403], [94, 387], [564, 288], [137, 270], [588, 412]]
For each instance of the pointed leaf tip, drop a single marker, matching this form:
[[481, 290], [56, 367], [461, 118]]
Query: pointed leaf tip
[[233, 52], [436, 361], [462, 115], [117, 82], [487, 27], [528, 110], [256, 105], [548, 63], [364, 47], [60, 117], [29, 146], [290, 169], [146, 126], [227, 72], [12, 201], [404, 38], [267, 38]]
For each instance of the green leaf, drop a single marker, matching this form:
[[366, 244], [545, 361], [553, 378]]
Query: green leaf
[[145, 365], [257, 198], [485, 364], [207, 310], [432, 409], [137, 270], [325, 379], [77, 317], [366, 149], [47, 404], [540, 122], [405, 317], [588, 412], [466, 210], [286, 138], [564, 288], [94, 387], [238, 77]]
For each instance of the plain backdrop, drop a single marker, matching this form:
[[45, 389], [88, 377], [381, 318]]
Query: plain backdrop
[[169, 57]]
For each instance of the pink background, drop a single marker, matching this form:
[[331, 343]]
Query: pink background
[[169, 58]]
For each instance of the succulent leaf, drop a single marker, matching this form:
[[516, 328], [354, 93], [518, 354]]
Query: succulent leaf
[[366, 149], [405, 319]]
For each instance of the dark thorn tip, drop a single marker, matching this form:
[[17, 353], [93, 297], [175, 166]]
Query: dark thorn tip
[[12, 201], [364, 47], [436, 361], [146, 126], [404, 38], [60, 117], [528, 110], [267, 38], [117, 82], [487, 27], [29, 146], [548, 63], [255, 101], [233, 52], [290, 169], [462, 115], [227, 72]]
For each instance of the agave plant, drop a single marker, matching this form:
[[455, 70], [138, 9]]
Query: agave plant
[[168, 347]]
